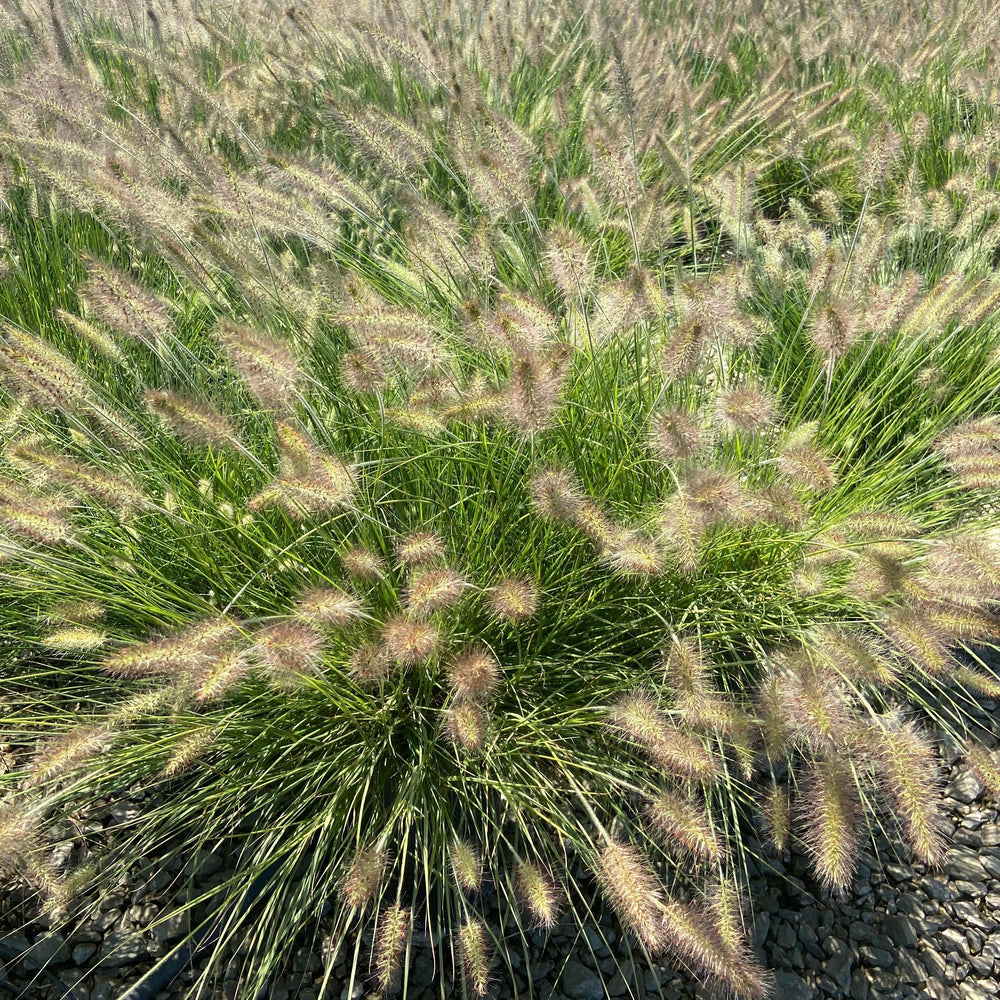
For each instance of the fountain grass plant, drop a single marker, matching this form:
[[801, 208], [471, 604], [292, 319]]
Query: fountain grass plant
[[491, 452]]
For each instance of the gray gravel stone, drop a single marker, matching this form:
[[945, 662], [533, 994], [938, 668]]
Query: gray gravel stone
[[791, 986], [83, 952], [964, 863], [581, 983], [965, 788], [47, 950], [122, 946]]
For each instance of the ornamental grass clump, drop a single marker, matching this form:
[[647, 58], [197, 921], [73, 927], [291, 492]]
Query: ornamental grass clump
[[458, 479]]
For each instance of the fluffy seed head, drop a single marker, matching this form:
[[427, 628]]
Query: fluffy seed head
[[179, 655], [680, 822], [804, 464], [393, 930], [362, 373], [433, 589], [834, 330], [777, 814], [40, 373], [225, 671], [76, 640], [638, 719], [362, 563], [475, 956], [568, 263], [674, 435], [466, 866], [269, 367], [193, 421], [17, 837], [419, 548], [747, 409], [533, 394], [633, 554], [124, 305], [187, 751], [287, 652], [465, 725], [410, 642], [74, 612], [474, 674], [693, 936], [371, 664], [555, 494], [514, 599], [67, 752], [364, 877], [328, 606], [832, 813], [628, 882], [907, 769], [539, 894], [985, 764]]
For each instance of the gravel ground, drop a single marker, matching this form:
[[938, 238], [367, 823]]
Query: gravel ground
[[900, 932]]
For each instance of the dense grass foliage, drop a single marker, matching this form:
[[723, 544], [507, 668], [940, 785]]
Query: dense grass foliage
[[502, 448]]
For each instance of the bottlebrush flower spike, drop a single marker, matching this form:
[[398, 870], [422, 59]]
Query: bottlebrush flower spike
[[288, 652], [225, 671], [679, 822], [628, 882], [329, 606], [567, 261], [187, 751], [76, 640], [67, 752], [690, 934], [533, 394], [986, 765], [310, 482], [747, 409], [419, 548], [632, 554], [195, 422], [178, 655], [123, 304], [18, 837], [393, 931], [853, 655], [410, 642], [556, 494], [466, 866], [638, 719], [465, 725], [432, 589], [778, 816], [800, 459], [674, 435], [362, 563], [371, 664], [831, 812], [51, 467], [917, 637], [682, 523], [269, 367], [539, 894], [475, 956], [474, 674], [364, 877], [514, 599], [40, 374], [907, 769], [362, 372]]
